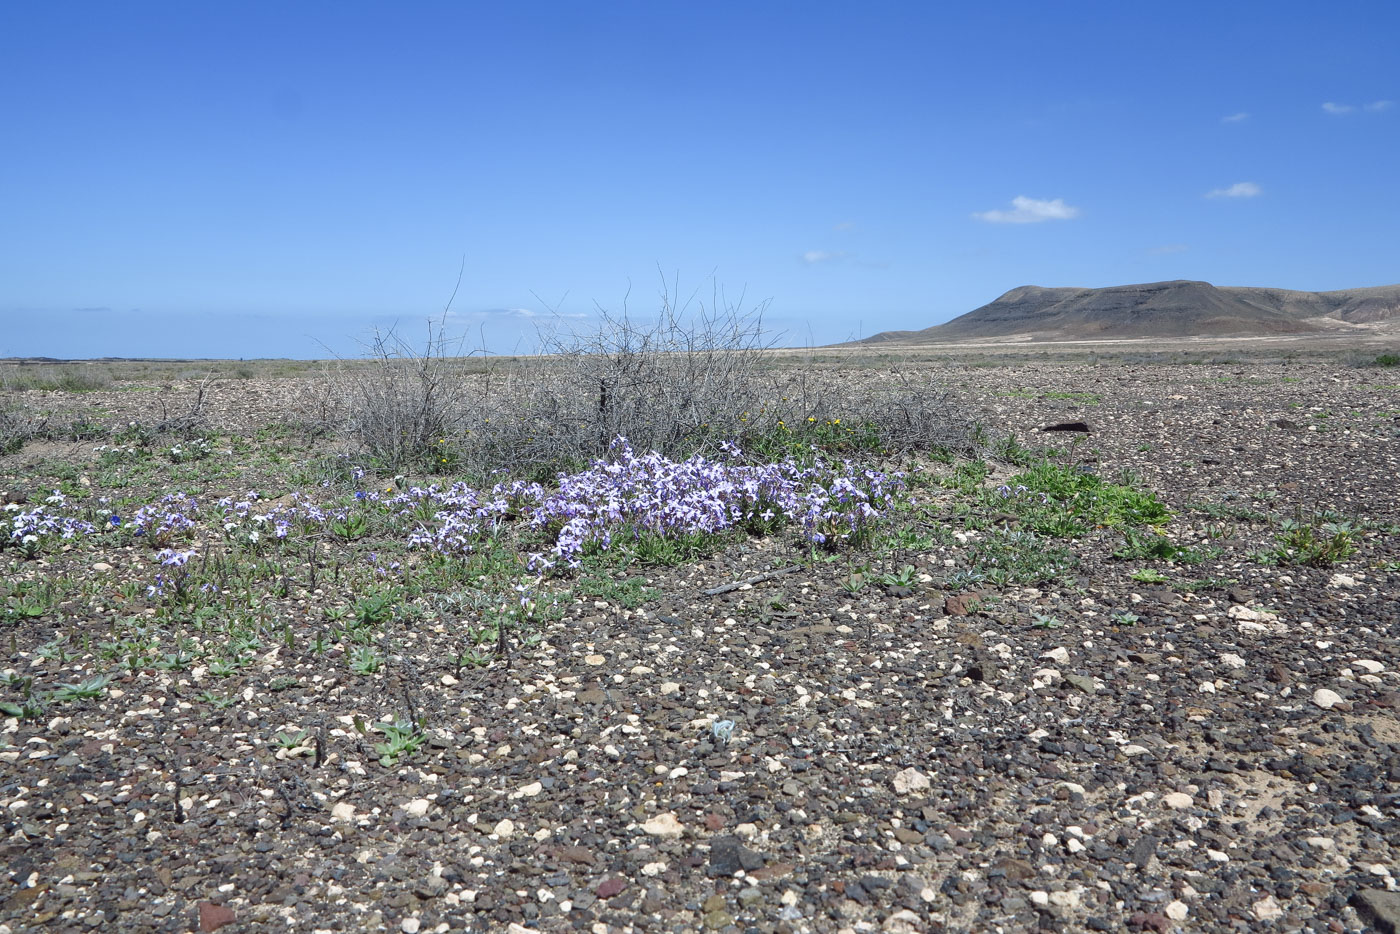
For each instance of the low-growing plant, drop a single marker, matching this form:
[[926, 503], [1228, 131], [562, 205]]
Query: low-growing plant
[[400, 739], [364, 661], [287, 740], [628, 593], [1148, 576], [375, 609], [1316, 541], [1388, 360], [1016, 557], [89, 688], [904, 577]]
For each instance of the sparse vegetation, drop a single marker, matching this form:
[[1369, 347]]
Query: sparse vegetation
[[290, 637]]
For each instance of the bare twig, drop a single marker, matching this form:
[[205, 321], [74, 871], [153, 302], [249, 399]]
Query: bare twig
[[756, 579]]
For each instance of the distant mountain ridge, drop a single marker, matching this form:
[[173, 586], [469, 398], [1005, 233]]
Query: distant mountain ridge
[[1181, 308]]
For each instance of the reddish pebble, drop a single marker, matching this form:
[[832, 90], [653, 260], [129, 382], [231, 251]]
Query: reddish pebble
[[212, 916], [610, 887]]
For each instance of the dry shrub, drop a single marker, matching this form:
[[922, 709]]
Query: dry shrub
[[18, 426], [402, 404], [681, 382]]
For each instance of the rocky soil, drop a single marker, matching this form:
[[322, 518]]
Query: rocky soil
[[1209, 746]]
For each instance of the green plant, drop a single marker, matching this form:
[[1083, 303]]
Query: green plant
[[400, 739], [290, 740], [363, 661], [1388, 359], [1125, 618], [1318, 541], [375, 609], [1015, 557], [904, 577], [1046, 621], [91, 687], [1148, 576], [629, 593], [351, 526]]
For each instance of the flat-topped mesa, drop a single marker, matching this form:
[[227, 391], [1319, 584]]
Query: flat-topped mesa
[[1181, 308]]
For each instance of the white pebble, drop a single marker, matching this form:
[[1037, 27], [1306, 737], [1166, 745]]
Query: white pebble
[[1326, 699]]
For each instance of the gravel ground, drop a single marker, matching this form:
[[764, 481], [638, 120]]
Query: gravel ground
[[1217, 749]]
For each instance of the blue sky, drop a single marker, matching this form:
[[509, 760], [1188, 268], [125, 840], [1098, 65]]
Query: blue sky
[[274, 179]]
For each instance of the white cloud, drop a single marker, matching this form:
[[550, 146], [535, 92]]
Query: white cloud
[[1337, 110], [1237, 190], [844, 225], [1168, 249], [1030, 211], [1376, 107], [816, 257], [1235, 118]]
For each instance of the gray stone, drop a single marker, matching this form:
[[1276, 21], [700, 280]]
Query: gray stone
[[1379, 907]]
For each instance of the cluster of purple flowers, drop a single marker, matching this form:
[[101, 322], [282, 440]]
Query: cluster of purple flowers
[[169, 518], [28, 528], [635, 495], [627, 496]]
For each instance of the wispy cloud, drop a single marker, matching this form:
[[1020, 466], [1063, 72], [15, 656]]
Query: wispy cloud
[[1029, 211], [1237, 190], [1342, 110], [817, 257], [96, 310], [1168, 249], [520, 314], [844, 225], [1240, 117]]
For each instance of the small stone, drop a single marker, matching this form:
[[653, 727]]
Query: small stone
[[594, 659], [903, 921], [1177, 911], [343, 810], [1345, 581], [1380, 907], [102, 567], [1059, 655], [665, 826], [610, 887], [1069, 899], [670, 687], [1231, 660], [1326, 699], [213, 916], [907, 781], [410, 925], [1370, 665], [417, 807], [504, 829], [1082, 683], [1266, 909], [728, 857], [1178, 801], [1133, 749]]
